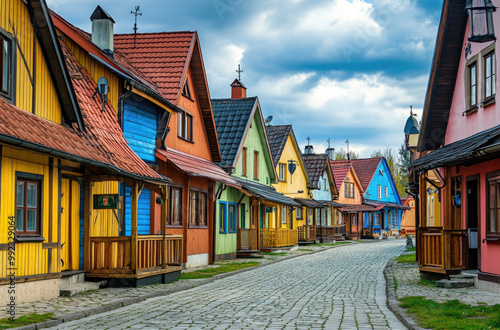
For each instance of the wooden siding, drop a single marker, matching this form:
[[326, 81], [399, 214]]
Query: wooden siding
[[143, 212], [139, 127], [104, 222], [14, 18], [70, 224]]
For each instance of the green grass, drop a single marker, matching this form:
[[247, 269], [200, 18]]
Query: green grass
[[395, 284], [407, 258], [329, 244], [274, 253], [413, 249], [425, 282], [25, 320], [305, 250], [223, 268], [452, 314]]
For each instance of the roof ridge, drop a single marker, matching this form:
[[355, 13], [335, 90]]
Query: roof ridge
[[150, 33]]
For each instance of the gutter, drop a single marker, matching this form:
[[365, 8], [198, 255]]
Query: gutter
[[61, 154]]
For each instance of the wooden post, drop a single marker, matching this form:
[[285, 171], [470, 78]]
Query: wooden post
[[133, 245], [87, 224], [211, 221], [163, 224], [423, 201], [446, 200]]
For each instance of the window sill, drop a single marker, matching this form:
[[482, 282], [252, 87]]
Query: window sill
[[197, 227], [280, 180], [491, 240], [470, 111], [231, 232], [29, 238], [489, 101], [187, 97], [174, 226], [255, 179], [188, 141]]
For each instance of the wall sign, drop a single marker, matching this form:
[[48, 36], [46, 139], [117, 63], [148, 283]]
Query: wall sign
[[106, 201]]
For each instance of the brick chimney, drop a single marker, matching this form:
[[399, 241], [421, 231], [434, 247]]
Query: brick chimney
[[238, 90], [102, 30]]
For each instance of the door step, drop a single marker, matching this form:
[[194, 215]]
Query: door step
[[248, 254], [78, 288], [457, 281]]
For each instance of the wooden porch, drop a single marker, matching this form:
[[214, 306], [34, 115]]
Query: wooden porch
[[277, 237], [247, 239], [441, 250], [329, 233], [307, 233], [112, 257]]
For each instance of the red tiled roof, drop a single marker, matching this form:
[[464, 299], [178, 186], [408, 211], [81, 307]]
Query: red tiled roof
[[365, 169], [196, 166], [357, 208], [160, 56], [103, 125], [339, 171]]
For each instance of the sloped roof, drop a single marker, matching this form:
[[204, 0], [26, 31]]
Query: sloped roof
[[315, 165], [339, 171], [196, 166], [232, 117], [309, 202], [277, 137], [365, 169], [266, 192], [355, 208]]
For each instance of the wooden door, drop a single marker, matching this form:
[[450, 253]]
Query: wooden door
[[253, 232], [70, 224], [472, 213]]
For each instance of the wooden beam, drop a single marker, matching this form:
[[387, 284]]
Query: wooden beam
[[134, 243], [59, 186], [87, 223], [105, 177], [163, 224], [423, 201]]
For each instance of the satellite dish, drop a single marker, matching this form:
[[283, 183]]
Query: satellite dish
[[268, 120]]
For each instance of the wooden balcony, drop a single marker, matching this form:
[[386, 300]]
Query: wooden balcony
[[272, 237], [247, 239], [112, 257], [306, 233], [441, 250]]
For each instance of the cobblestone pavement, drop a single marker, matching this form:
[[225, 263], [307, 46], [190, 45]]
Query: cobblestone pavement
[[342, 288]]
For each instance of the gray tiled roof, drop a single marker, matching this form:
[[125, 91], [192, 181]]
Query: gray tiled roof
[[266, 192], [231, 119], [277, 137], [315, 165]]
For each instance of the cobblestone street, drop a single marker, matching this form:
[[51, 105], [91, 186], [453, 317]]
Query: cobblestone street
[[340, 288]]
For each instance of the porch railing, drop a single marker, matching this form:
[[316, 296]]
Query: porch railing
[[441, 250], [112, 255], [247, 239], [272, 237], [339, 230], [307, 233]]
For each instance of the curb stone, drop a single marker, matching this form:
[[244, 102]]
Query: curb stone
[[392, 300], [130, 301]]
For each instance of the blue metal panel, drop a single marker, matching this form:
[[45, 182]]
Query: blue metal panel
[[143, 212], [139, 128]]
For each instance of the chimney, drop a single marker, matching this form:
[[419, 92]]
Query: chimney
[[102, 30], [309, 150], [331, 153], [238, 90]]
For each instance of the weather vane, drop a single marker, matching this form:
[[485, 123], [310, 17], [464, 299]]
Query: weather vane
[[308, 139], [136, 13], [239, 71], [328, 140]]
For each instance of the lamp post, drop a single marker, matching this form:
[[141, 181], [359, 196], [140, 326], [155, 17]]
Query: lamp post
[[481, 20]]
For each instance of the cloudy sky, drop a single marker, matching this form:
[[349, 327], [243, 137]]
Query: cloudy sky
[[337, 69]]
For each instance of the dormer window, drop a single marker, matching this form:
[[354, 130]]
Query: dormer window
[[7, 52], [186, 91]]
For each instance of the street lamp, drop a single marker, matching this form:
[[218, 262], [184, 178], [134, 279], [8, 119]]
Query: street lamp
[[481, 20]]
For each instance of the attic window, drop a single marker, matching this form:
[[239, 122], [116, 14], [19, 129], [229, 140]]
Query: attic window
[[186, 91], [185, 129], [7, 52]]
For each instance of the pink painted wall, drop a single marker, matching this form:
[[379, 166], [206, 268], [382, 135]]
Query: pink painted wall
[[460, 127], [490, 251]]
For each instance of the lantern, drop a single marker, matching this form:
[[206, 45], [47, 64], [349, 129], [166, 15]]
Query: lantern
[[481, 20]]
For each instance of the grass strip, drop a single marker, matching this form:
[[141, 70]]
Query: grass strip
[[407, 258], [329, 244], [452, 314], [223, 268], [25, 320]]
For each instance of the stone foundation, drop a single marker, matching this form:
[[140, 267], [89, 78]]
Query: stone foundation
[[30, 291]]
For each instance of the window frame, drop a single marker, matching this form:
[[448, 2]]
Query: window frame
[[492, 75], [39, 180], [10, 94], [284, 215], [282, 172], [186, 90], [256, 165], [185, 126], [494, 178], [349, 190], [197, 223], [171, 223], [234, 221], [379, 191], [299, 213], [242, 211], [376, 219], [222, 217], [386, 191], [244, 158]]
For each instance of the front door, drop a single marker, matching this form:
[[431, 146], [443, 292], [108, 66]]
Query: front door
[[70, 224], [472, 212], [253, 239]]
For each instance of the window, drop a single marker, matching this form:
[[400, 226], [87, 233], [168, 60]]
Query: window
[[386, 192], [489, 75], [197, 209], [472, 85], [244, 162], [299, 214], [369, 219], [28, 204], [354, 220], [175, 216], [493, 216], [185, 129], [242, 216], [283, 215], [324, 184], [379, 191], [282, 172], [7, 52], [376, 222], [232, 218], [349, 189], [393, 219], [222, 217], [186, 91], [256, 165]]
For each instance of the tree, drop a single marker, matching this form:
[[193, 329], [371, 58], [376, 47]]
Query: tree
[[341, 154]]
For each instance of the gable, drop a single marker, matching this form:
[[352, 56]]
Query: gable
[[383, 178]]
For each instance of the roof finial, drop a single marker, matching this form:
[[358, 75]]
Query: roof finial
[[308, 140], [348, 156], [239, 71], [136, 13], [328, 140], [411, 110]]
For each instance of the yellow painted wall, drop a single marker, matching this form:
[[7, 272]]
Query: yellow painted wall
[[433, 208], [31, 258], [104, 222], [292, 183], [14, 18]]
